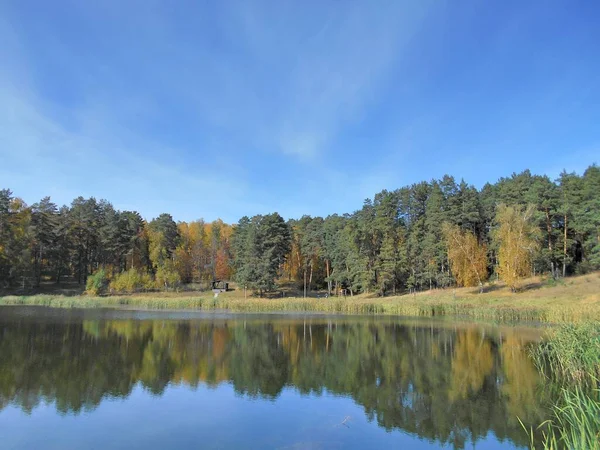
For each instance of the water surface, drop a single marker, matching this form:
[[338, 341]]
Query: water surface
[[127, 379]]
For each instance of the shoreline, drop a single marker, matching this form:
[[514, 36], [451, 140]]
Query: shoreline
[[543, 311]]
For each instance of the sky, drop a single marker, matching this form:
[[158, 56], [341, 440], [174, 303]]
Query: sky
[[220, 109]]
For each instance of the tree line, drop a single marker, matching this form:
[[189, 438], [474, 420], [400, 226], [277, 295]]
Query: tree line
[[437, 234], [45, 242], [427, 235]]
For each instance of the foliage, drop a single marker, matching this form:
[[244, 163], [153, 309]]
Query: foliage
[[468, 258], [516, 240], [130, 281], [261, 245], [167, 278], [393, 244], [97, 283], [164, 237]]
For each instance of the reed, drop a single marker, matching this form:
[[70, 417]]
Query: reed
[[575, 424], [571, 353], [569, 357], [403, 306]]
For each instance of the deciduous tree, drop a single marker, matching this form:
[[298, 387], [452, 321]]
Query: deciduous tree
[[468, 257], [517, 240]]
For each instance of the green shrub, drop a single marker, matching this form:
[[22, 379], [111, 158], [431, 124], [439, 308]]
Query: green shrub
[[167, 278], [553, 282], [97, 283], [130, 281], [583, 268]]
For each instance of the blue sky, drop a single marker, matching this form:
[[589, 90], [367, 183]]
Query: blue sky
[[230, 108]]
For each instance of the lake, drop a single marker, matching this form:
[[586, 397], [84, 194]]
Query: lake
[[154, 380]]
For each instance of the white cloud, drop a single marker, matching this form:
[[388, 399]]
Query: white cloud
[[272, 77], [331, 65]]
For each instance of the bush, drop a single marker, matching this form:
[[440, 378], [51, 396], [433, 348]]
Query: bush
[[583, 268], [167, 278], [131, 281], [97, 283]]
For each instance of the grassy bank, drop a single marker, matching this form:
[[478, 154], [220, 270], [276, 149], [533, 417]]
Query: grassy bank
[[576, 300]]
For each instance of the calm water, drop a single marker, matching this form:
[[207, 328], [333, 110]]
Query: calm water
[[124, 379]]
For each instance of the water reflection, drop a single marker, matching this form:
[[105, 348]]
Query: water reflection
[[447, 384]]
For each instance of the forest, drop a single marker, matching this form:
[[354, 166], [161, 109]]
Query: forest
[[427, 235]]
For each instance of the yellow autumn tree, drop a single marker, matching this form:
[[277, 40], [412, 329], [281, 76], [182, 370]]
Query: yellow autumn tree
[[516, 237], [468, 257], [220, 242], [192, 253]]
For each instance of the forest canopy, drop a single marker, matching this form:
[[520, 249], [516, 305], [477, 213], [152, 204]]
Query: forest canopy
[[427, 235]]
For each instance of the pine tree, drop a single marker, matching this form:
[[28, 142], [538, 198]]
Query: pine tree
[[44, 224], [587, 217], [569, 197], [260, 245]]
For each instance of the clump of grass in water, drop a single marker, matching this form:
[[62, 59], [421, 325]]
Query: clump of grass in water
[[571, 356], [571, 353], [576, 423]]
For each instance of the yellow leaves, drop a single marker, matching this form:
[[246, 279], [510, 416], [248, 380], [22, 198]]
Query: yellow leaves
[[19, 219], [516, 237], [155, 245], [202, 245], [468, 258], [132, 280]]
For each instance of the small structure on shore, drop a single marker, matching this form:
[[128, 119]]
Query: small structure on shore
[[219, 286]]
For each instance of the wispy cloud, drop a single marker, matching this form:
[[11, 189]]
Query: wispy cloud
[[327, 70], [165, 105], [233, 107]]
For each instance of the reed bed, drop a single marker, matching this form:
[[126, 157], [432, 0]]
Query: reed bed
[[571, 354], [570, 358], [575, 424], [403, 306]]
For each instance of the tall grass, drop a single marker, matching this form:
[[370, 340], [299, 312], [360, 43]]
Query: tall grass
[[571, 353], [402, 306], [575, 425], [570, 357]]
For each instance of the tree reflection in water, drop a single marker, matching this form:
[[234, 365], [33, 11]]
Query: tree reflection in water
[[447, 384]]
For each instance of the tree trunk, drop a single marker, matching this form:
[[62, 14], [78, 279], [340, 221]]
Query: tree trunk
[[304, 281], [549, 231], [564, 268], [328, 280]]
